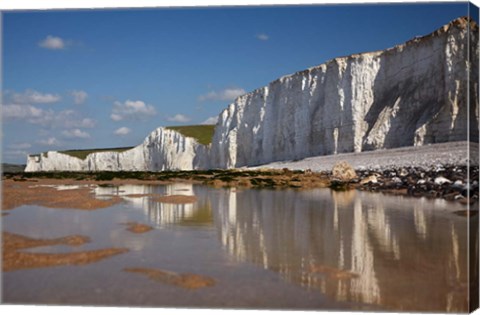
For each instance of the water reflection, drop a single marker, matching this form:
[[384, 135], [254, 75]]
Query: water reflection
[[406, 254], [158, 213], [395, 252]]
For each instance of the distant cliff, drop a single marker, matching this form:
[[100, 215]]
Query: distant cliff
[[412, 94], [163, 149]]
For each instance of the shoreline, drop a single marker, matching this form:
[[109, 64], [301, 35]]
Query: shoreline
[[447, 182], [432, 171]]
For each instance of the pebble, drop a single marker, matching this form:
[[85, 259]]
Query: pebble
[[403, 172], [440, 180], [369, 179], [458, 183], [396, 180]]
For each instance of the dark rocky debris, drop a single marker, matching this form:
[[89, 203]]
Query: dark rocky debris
[[450, 182]]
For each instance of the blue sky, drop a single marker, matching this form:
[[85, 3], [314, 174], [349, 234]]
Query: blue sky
[[106, 78]]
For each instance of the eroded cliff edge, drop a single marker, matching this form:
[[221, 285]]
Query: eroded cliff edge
[[412, 94]]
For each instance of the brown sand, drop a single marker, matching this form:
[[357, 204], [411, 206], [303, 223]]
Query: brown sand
[[14, 259], [175, 199], [138, 228], [184, 280], [16, 194]]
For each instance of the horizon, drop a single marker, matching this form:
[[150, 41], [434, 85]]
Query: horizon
[[106, 78]]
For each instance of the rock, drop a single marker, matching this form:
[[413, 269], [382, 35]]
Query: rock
[[459, 186], [343, 171], [396, 180], [439, 168], [403, 172], [440, 180], [458, 183], [369, 179]]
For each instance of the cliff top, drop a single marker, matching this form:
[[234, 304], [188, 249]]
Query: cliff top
[[202, 133]]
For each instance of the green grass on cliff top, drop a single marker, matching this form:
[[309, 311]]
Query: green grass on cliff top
[[82, 154], [202, 133]]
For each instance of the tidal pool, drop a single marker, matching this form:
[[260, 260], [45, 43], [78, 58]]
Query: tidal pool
[[287, 249]]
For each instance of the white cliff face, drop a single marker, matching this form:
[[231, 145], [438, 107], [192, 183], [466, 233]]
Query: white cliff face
[[53, 161], [412, 94], [163, 149], [409, 95]]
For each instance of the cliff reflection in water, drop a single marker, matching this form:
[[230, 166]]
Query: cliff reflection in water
[[394, 252], [398, 253], [163, 214]]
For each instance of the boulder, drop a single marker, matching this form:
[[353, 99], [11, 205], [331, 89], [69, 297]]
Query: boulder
[[342, 171]]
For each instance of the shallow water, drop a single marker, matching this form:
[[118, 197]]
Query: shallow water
[[287, 249]]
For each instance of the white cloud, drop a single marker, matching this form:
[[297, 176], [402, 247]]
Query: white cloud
[[75, 133], [34, 97], [262, 36], [179, 118], [224, 95], [83, 123], [79, 97], [53, 43], [122, 131], [137, 110], [210, 121], [16, 111], [49, 117], [20, 146], [116, 117], [52, 141]]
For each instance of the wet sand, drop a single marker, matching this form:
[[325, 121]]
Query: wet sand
[[137, 228], [44, 193], [184, 280], [15, 259]]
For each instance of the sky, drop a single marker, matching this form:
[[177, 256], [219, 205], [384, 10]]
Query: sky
[[75, 79]]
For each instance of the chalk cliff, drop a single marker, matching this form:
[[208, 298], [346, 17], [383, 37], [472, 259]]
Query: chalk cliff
[[412, 94], [163, 149]]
